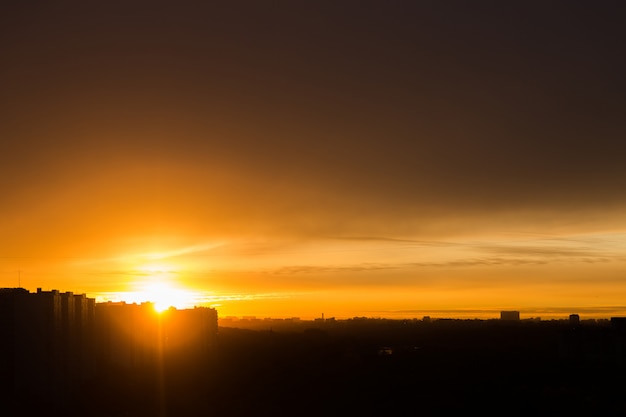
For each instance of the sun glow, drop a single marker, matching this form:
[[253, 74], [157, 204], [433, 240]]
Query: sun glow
[[159, 284], [161, 295], [164, 296]]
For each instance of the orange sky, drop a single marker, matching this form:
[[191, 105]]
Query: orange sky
[[344, 158]]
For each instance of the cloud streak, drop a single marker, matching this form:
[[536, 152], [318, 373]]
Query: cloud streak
[[459, 263]]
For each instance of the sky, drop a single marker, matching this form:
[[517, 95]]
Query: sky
[[300, 158]]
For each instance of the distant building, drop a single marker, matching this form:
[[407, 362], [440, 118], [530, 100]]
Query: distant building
[[191, 331], [618, 323], [133, 336], [126, 335], [509, 315], [574, 319]]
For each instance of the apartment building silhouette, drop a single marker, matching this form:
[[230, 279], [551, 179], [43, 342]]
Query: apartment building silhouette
[[52, 342]]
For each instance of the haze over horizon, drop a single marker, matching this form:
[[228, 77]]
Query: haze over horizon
[[298, 158]]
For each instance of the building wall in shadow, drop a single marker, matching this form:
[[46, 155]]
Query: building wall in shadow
[[46, 341]]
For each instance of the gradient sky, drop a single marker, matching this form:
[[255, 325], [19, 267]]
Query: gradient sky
[[294, 158]]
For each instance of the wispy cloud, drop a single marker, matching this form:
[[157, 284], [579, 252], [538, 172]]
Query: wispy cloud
[[151, 256], [587, 254], [196, 297], [455, 263], [188, 250], [582, 248], [310, 269], [383, 239]]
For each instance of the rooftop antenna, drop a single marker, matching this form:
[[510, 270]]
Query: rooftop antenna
[[19, 278]]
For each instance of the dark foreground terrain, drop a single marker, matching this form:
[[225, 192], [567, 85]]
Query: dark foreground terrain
[[370, 368]]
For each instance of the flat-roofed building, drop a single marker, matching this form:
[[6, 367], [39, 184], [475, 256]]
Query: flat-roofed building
[[509, 315]]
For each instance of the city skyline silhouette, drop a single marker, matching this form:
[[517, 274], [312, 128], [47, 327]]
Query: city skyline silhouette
[[63, 354]]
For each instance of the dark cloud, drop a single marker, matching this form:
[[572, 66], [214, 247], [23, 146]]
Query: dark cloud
[[358, 117]]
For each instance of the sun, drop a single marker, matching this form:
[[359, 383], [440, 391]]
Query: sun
[[164, 295], [159, 283], [160, 294]]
